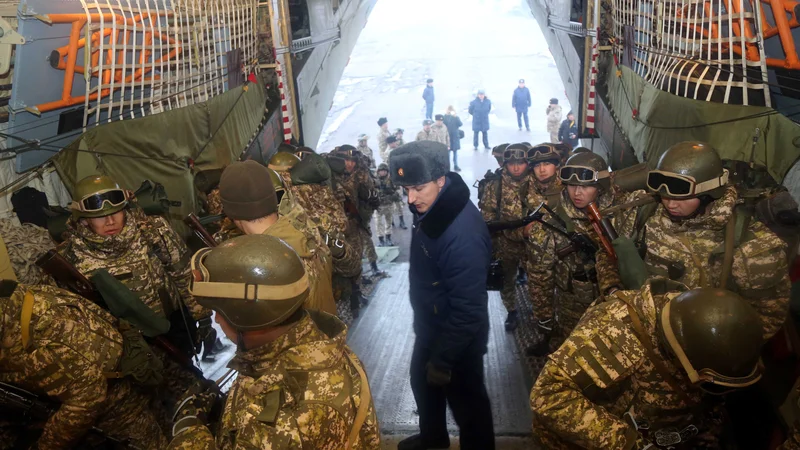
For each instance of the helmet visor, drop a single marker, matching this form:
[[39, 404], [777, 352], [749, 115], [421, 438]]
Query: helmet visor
[[96, 202], [542, 150], [515, 154], [581, 174], [676, 185]]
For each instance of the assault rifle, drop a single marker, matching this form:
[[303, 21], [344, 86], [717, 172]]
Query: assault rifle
[[604, 229], [70, 278], [501, 225], [578, 242], [196, 225], [28, 405]]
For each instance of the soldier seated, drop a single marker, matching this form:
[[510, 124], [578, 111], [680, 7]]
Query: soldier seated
[[299, 385], [646, 369]]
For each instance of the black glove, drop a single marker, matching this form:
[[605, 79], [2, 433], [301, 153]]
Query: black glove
[[195, 407], [436, 376], [363, 192]]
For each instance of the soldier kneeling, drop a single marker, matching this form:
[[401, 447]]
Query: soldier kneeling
[[645, 370]]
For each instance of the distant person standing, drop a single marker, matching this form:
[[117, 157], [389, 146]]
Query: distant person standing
[[426, 134], [427, 94], [479, 109], [521, 101], [568, 133], [440, 129], [383, 133], [553, 120], [365, 150], [453, 124], [398, 133]]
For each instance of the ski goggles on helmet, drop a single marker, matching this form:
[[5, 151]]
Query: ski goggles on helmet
[[543, 150], [676, 185], [581, 174], [706, 379], [515, 154], [350, 154], [97, 201]]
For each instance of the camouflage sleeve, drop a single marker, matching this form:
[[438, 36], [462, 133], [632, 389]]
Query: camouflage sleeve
[[539, 265], [624, 220], [349, 264], [761, 273], [486, 204], [61, 372], [607, 271], [178, 268], [194, 438]]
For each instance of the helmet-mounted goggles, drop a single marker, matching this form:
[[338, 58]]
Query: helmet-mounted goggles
[[676, 185], [515, 154], [706, 379], [581, 174], [203, 286], [97, 201]]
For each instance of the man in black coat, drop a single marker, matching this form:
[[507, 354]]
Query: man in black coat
[[568, 132], [521, 101], [450, 253]]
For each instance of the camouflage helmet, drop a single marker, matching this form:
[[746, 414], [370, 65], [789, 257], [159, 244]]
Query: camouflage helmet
[[515, 153], [544, 152], [347, 151], [687, 170], [715, 335], [585, 169], [254, 281], [281, 161], [362, 137], [98, 196], [383, 166], [497, 152]]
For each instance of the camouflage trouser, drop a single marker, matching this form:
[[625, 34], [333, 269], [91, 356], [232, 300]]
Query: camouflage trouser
[[367, 245], [570, 306], [512, 255], [383, 219], [554, 137], [400, 207], [540, 287], [133, 415]]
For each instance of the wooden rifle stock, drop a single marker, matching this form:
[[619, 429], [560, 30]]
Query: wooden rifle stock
[[605, 231], [193, 222]]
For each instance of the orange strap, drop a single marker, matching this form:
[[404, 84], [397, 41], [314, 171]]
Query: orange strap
[[25, 320], [363, 408]]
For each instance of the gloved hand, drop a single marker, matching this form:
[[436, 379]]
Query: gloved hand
[[437, 376], [195, 407], [336, 244]]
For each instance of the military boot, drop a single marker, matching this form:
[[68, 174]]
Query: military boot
[[355, 301], [389, 240], [381, 242], [375, 271], [403, 223], [512, 321], [542, 348]]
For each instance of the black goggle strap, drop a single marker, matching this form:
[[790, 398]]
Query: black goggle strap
[[113, 197], [703, 375]]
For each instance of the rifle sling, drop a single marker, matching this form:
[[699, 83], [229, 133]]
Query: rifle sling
[[363, 407], [25, 320], [651, 354]]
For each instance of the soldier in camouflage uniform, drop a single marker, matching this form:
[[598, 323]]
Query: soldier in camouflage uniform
[[553, 120], [440, 129], [388, 195], [383, 133], [429, 134], [25, 244], [504, 198], [108, 231], [69, 349], [249, 199], [299, 385], [399, 206], [685, 235], [398, 134], [568, 276], [637, 370], [369, 155]]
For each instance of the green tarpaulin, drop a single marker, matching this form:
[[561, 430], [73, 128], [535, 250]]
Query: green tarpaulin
[[160, 147], [664, 119]]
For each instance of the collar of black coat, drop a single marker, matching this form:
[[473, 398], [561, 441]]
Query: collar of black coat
[[449, 204]]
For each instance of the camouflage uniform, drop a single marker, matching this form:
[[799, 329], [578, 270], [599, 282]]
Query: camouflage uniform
[[388, 197], [553, 122], [602, 373], [504, 199], [74, 348], [214, 202], [383, 147], [435, 136], [442, 134], [300, 391], [348, 188], [25, 243], [567, 283], [692, 251], [539, 292], [368, 154]]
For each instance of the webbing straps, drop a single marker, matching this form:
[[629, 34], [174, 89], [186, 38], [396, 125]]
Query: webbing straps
[[25, 320], [363, 408]]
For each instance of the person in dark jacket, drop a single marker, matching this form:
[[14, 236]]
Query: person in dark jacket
[[428, 96], [568, 132], [450, 254], [479, 109], [453, 124], [521, 101]]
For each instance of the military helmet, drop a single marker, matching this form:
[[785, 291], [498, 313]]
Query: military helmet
[[544, 152], [281, 161], [347, 151], [278, 183], [303, 152], [362, 137], [383, 166], [715, 335], [585, 169], [687, 170], [497, 152], [286, 148], [515, 153], [254, 281], [98, 196]]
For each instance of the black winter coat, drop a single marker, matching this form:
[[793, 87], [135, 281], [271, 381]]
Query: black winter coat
[[480, 113], [453, 123], [450, 253], [567, 131]]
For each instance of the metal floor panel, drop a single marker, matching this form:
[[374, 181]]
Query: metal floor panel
[[383, 339]]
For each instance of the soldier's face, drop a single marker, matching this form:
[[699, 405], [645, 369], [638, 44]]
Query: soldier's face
[[108, 225], [581, 196], [383, 173], [422, 196], [349, 165], [681, 208], [426, 128], [517, 168], [481, 96], [544, 170]]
